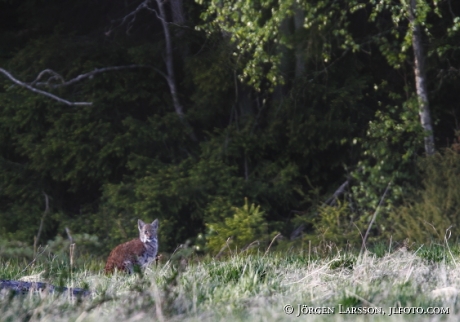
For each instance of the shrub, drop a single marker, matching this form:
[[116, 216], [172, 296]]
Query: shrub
[[247, 225], [430, 213]]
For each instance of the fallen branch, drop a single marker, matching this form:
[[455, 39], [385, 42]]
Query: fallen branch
[[20, 287], [331, 201], [340, 191]]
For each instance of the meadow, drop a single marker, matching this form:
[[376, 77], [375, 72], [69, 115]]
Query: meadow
[[380, 284]]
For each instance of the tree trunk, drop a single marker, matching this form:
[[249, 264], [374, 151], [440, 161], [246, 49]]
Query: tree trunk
[[169, 60], [171, 79], [179, 19], [420, 79], [177, 10], [299, 20]]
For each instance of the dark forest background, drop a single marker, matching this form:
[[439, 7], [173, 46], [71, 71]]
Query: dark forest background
[[283, 102]]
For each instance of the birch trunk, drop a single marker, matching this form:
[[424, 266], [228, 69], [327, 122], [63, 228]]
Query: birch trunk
[[420, 79], [169, 60], [171, 79]]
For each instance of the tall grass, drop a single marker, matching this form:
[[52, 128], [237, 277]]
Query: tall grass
[[244, 287]]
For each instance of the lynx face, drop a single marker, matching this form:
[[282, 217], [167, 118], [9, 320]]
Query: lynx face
[[148, 232]]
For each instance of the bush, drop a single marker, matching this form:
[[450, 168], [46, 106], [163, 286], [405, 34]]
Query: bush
[[246, 226], [430, 213]]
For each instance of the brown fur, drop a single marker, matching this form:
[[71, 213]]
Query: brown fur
[[140, 251], [128, 251]]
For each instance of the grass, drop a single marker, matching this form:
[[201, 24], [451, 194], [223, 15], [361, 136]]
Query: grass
[[250, 287]]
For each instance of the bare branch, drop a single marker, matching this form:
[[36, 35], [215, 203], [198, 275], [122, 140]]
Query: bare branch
[[80, 77], [130, 16], [35, 90], [340, 191], [162, 19], [48, 71], [56, 77], [363, 247], [450, 9], [47, 209]]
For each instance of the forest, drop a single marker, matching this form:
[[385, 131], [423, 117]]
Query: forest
[[230, 121]]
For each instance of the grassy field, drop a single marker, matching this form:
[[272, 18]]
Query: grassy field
[[377, 285]]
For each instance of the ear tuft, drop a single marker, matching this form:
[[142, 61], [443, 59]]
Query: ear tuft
[[140, 224]]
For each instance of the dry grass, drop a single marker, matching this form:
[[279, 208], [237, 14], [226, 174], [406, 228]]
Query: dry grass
[[246, 288]]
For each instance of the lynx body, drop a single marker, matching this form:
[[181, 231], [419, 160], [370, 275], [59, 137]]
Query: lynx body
[[141, 251]]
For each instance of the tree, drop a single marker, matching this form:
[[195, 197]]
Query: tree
[[420, 76]]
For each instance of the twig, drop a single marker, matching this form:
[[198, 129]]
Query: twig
[[389, 247], [373, 218], [365, 302], [67, 230], [274, 238], [450, 9], [47, 208], [315, 271], [131, 16], [223, 248], [169, 260], [33, 261], [255, 242], [47, 71], [448, 231], [359, 231], [72, 251]]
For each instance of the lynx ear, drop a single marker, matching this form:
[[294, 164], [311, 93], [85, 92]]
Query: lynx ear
[[155, 224], [140, 224]]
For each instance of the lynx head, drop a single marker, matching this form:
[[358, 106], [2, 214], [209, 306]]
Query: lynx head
[[147, 232]]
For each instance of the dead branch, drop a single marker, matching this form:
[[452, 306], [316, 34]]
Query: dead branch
[[333, 199], [363, 247], [90, 75], [47, 209], [69, 235], [130, 18], [38, 91], [21, 287], [54, 76]]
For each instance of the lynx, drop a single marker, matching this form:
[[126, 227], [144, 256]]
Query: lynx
[[141, 251]]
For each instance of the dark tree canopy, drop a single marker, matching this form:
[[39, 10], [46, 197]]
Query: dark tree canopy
[[281, 103]]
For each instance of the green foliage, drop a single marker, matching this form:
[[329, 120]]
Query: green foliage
[[343, 262], [390, 148], [255, 30], [380, 248], [19, 251], [350, 301], [436, 253], [263, 130], [432, 212], [247, 225], [337, 224]]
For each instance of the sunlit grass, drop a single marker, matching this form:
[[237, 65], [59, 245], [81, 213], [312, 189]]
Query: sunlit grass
[[250, 287]]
